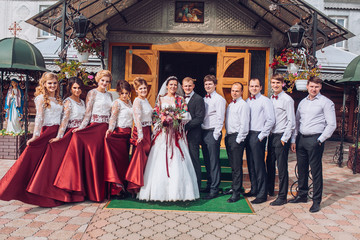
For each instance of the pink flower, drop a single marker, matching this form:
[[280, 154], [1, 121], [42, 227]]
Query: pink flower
[[91, 77], [320, 66]]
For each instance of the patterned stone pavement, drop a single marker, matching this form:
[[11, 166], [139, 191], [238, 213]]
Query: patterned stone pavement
[[339, 217]]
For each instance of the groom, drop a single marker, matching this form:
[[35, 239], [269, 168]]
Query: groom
[[196, 108]]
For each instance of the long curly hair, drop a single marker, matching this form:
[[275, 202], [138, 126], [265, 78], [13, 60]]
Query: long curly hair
[[41, 89]]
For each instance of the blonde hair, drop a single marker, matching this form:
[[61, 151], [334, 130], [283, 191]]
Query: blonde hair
[[189, 79], [41, 89], [103, 73], [138, 81]]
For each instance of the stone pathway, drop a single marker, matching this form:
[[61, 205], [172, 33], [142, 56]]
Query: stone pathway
[[339, 217]]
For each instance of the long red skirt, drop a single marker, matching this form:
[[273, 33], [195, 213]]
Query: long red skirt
[[140, 153], [117, 151], [13, 185], [82, 169], [43, 179]]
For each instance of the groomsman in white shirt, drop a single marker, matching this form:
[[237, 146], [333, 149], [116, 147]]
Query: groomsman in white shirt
[[279, 139], [262, 120], [211, 135], [237, 127], [315, 122]]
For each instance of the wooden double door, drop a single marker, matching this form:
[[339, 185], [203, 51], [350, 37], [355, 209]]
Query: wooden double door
[[230, 66]]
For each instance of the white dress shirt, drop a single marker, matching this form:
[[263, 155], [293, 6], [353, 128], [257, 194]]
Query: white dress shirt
[[284, 115], [262, 117], [238, 119], [215, 106], [187, 99], [315, 116]]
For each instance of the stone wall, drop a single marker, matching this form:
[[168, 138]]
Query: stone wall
[[12, 146]]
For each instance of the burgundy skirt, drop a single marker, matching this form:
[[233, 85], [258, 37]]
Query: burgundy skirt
[[43, 179], [14, 184], [140, 153], [117, 147], [82, 169]]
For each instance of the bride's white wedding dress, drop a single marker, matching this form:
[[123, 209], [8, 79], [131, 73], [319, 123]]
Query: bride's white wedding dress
[[166, 178]]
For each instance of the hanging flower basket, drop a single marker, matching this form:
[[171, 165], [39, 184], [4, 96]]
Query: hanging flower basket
[[300, 84], [83, 56], [293, 68]]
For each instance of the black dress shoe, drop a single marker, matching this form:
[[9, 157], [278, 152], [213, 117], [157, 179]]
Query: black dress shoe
[[278, 202], [249, 194], [228, 191], [234, 198], [315, 207], [258, 201], [205, 190], [211, 196], [298, 199], [271, 194]]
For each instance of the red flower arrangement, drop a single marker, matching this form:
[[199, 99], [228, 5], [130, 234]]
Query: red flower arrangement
[[286, 57], [91, 46]]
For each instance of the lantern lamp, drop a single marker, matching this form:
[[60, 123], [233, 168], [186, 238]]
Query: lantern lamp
[[296, 34], [81, 24]]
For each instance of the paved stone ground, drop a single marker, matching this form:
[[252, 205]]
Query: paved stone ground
[[339, 217]]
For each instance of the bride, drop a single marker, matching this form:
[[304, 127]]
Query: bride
[[169, 173]]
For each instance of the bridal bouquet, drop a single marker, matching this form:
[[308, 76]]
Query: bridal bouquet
[[169, 116]]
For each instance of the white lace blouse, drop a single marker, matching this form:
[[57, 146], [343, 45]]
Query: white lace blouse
[[46, 116], [142, 114], [98, 107], [72, 116], [121, 115]]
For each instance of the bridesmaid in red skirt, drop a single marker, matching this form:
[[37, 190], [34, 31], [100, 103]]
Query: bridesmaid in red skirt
[[82, 169], [43, 179], [142, 112], [117, 139], [48, 115]]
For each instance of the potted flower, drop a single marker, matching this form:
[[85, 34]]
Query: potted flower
[[85, 47], [74, 69], [299, 79], [292, 59]]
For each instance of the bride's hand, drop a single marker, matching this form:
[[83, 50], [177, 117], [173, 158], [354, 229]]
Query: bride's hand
[[139, 140]]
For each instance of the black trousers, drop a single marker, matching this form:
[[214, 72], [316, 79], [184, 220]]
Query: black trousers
[[235, 153], [194, 147], [309, 153], [255, 154], [279, 154], [211, 152]]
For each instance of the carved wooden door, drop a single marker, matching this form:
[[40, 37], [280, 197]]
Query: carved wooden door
[[143, 63], [233, 67]]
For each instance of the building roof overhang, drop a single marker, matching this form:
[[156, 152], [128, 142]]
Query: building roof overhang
[[288, 12]]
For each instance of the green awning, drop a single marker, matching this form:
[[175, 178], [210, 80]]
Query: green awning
[[19, 54], [352, 72]]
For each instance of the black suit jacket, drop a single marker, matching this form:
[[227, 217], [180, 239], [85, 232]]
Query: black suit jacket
[[196, 107]]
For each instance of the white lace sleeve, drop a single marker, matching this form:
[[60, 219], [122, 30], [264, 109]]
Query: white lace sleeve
[[115, 109], [90, 99], [40, 114], [137, 109], [65, 118]]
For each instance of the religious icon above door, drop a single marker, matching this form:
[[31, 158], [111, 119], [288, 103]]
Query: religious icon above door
[[189, 12]]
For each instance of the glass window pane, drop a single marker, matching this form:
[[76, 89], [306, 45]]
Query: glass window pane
[[235, 70], [139, 66], [118, 64], [341, 22]]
